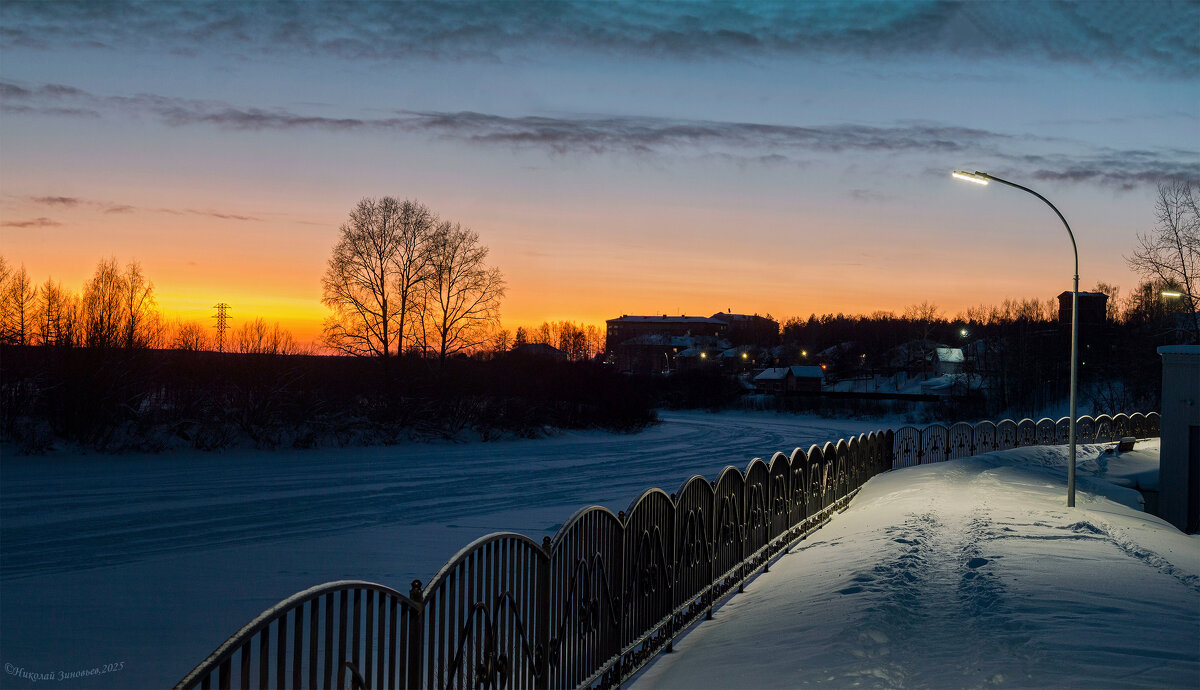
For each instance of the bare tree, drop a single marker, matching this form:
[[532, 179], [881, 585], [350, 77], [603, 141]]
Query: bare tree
[[17, 299], [415, 225], [359, 282], [461, 294], [102, 306], [140, 324], [375, 275], [1112, 308], [258, 337], [1170, 253], [191, 336], [57, 316]]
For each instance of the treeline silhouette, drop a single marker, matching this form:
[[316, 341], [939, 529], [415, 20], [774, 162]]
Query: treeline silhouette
[[114, 399], [1019, 350]]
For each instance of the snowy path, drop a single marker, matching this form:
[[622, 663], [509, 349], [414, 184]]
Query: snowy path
[[154, 560], [964, 574]]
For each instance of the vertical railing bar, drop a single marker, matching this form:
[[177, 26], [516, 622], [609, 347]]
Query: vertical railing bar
[[343, 616], [328, 660], [264, 657], [245, 669], [368, 647], [297, 646], [281, 650], [223, 674]]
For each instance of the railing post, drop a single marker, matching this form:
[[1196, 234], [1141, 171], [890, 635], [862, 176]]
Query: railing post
[[541, 636], [622, 604], [416, 631]]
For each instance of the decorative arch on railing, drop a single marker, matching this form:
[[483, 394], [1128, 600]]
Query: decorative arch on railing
[[484, 615], [908, 447], [1062, 431], [816, 479], [693, 549], [1104, 429], [1137, 425], [758, 510], [780, 504], [841, 471], [728, 523], [983, 437], [858, 460], [584, 599], [829, 471], [649, 554], [1153, 424], [799, 486], [1006, 434], [1026, 433], [934, 440], [1045, 431], [1085, 429], [320, 637], [1120, 426], [960, 440]]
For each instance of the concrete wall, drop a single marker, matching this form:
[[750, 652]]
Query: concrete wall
[[1179, 456]]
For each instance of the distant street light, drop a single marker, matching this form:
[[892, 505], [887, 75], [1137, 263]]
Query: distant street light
[[982, 178], [1171, 293], [963, 332]]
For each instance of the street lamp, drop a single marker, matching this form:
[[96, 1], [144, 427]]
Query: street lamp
[[982, 178]]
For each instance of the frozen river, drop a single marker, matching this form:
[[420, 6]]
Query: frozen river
[[146, 563]]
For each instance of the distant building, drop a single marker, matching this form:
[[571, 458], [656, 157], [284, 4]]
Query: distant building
[[540, 350], [1093, 308], [788, 379], [947, 360], [750, 329], [627, 328], [772, 380]]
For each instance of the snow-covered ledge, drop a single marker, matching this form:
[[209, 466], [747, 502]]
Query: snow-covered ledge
[[1179, 455]]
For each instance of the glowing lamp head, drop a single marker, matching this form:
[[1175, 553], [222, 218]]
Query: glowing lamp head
[[1171, 293], [969, 177], [745, 355]]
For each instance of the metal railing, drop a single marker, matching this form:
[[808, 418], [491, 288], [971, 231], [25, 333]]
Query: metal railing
[[938, 443], [592, 605]]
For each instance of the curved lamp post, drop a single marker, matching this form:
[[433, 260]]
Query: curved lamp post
[[982, 178]]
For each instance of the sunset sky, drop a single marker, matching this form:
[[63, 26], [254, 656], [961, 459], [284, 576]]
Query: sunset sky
[[617, 157]]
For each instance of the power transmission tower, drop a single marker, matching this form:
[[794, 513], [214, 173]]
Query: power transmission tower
[[222, 317]]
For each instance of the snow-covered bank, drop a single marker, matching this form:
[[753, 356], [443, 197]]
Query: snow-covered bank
[[964, 574], [151, 561]]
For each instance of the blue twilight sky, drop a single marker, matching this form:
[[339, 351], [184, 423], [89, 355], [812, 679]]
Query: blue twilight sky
[[617, 157]]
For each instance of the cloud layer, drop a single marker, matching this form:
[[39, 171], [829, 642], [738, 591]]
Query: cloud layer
[[742, 142], [1153, 36]]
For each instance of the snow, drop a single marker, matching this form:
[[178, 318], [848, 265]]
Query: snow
[[967, 573], [153, 560]]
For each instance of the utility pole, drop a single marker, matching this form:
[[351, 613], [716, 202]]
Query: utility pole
[[222, 317]]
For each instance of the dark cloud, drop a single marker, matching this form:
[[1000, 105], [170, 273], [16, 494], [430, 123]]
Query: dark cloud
[[109, 207], [744, 143], [57, 200], [1151, 36], [223, 216], [35, 223]]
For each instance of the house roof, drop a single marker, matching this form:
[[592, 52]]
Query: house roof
[[666, 319], [539, 349], [949, 354], [772, 374], [808, 372]]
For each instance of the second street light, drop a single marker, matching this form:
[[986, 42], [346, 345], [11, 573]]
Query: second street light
[[982, 178]]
